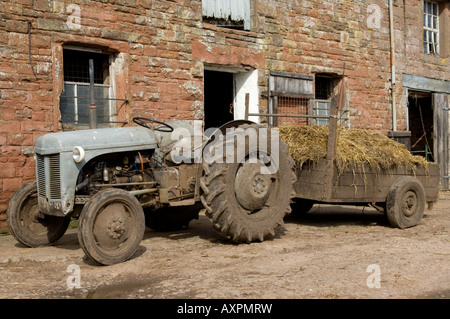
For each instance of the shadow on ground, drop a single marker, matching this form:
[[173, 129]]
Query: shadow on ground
[[333, 215]]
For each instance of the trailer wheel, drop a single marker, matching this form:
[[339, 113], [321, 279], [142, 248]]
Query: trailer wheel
[[27, 224], [111, 226], [405, 203], [243, 204]]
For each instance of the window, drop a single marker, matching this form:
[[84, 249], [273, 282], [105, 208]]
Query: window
[[75, 100], [431, 28], [299, 99], [234, 14], [325, 86], [323, 92], [290, 97]]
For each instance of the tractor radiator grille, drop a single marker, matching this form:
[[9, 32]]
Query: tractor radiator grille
[[48, 173], [40, 172], [55, 177]]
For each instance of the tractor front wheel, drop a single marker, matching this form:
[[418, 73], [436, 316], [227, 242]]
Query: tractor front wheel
[[27, 224], [111, 226]]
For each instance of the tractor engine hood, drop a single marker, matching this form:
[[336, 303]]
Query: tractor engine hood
[[112, 139]]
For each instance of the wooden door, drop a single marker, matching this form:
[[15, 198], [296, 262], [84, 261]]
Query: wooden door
[[442, 136]]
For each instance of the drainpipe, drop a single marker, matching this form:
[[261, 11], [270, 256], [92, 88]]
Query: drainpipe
[[391, 23]]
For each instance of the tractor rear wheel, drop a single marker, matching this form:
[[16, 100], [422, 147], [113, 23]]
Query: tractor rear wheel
[[244, 201]]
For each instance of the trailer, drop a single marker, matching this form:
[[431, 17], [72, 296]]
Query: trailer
[[401, 192]]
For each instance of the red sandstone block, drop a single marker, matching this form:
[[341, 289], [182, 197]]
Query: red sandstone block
[[38, 41], [7, 114], [29, 172], [6, 85], [7, 170], [165, 54], [25, 2], [145, 4], [33, 126], [12, 184], [42, 116], [44, 53], [182, 75], [20, 139], [3, 138], [171, 88], [15, 8], [150, 51], [10, 127], [18, 41], [12, 155], [16, 26], [42, 5]]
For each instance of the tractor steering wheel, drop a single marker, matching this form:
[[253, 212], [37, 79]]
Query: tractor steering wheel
[[164, 127]]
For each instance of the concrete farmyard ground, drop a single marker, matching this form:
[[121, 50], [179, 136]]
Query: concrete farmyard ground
[[332, 252]]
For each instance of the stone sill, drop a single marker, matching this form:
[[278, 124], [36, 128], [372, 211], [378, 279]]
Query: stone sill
[[243, 33]]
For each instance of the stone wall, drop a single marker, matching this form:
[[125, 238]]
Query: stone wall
[[162, 47]]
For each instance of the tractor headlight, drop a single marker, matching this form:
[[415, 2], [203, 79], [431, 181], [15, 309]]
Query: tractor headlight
[[78, 154]]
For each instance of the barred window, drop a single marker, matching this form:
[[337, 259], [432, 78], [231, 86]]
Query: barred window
[[431, 28], [290, 95], [326, 85], [301, 99], [75, 100], [323, 92]]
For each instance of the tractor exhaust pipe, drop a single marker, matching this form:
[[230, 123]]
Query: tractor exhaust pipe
[[92, 107]]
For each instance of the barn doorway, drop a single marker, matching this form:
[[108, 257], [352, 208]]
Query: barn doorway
[[421, 124], [219, 97], [226, 88]]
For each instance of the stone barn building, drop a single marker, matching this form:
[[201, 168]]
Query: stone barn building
[[197, 60]]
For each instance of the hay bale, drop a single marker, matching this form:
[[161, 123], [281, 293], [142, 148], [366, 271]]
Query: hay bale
[[355, 147]]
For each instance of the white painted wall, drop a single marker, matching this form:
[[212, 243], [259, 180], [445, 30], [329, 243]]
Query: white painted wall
[[246, 82]]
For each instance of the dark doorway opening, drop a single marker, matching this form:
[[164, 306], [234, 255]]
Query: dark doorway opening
[[219, 96], [421, 123]]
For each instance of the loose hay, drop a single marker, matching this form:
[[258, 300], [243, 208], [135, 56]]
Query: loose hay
[[355, 147]]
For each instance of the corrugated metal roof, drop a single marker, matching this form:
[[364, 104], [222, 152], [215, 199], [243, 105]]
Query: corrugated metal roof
[[236, 10]]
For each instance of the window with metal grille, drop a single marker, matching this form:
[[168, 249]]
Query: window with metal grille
[[234, 14], [323, 92], [289, 98], [431, 27], [75, 100], [292, 105]]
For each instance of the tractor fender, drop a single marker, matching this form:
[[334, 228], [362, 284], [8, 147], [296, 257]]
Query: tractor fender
[[236, 123], [208, 135]]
